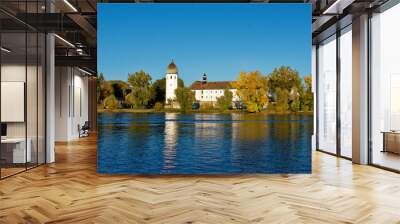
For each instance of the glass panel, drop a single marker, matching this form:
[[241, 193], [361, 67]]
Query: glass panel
[[385, 84], [13, 87], [327, 95], [31, 98], [346, 92], [32, 89]]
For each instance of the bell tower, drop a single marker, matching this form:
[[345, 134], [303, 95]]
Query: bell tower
[[171, 82]]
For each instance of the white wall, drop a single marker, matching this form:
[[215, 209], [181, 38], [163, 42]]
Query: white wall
[[211, 95], [71, 102], [33, 126]]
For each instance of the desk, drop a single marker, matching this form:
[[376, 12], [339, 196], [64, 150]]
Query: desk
[[19, 155], [391, 141]]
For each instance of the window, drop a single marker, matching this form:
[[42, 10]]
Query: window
[[327, 95], [385, 88], [346, 92]]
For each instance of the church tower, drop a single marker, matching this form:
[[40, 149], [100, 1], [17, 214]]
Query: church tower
[[171, 81]]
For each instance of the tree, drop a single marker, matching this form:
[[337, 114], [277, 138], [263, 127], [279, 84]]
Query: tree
[[129, 100], [252, 89], [104, 89], [119, 88], [99, 83], [282, 100], [111, 102], [158, 88], [185, 98], [141, 88], [284, 78], [307, 97], [294, 100], [225, 102]]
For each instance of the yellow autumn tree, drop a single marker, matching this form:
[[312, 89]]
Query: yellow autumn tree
[[252, 88]]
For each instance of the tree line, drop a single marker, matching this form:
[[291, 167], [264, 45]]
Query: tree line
[[282, 90]]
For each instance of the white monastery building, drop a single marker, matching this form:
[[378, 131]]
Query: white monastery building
[[209, 91], [204, 91]]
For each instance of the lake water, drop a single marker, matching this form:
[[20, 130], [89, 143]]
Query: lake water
[[171, 143]]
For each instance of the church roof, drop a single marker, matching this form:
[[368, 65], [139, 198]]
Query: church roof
[[198, 85], [172, 69]]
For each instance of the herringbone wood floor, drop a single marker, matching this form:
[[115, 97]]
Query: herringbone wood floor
[[70, 191]]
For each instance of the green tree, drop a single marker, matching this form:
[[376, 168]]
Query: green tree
[[307, 97], [99, 83], [225, 102], [158, 88], [111, 102], [252, 89], [104, 89], [141, 88], [284, 78], [185, 98], [282, 100], [129, 100], [294, 100]]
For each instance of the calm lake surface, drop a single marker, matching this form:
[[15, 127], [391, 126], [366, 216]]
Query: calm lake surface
[[171, 143]]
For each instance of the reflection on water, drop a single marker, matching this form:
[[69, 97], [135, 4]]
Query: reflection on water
[[170, 140], [170, 143]]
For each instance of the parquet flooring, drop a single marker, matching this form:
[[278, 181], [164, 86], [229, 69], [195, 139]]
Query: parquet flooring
[[70, 191]]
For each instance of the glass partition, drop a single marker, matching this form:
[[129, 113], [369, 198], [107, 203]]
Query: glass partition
[[346, 92], [22, 87], [31, 98], [385, 89], [327, 95], [13, 114]]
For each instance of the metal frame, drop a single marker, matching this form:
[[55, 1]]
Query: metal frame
[[338, 75], [369, 98]]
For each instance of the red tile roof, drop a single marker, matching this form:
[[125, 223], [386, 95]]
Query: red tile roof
[[197, 85]]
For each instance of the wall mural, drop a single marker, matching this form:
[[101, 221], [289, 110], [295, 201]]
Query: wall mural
[[204, 88]]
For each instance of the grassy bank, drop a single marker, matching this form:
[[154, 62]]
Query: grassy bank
[[213, 111]]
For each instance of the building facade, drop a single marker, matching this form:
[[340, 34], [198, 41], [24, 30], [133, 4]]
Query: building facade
[[204, 91], [210, 91]]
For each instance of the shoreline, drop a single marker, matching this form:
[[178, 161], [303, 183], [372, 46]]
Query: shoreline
[[200, 111]]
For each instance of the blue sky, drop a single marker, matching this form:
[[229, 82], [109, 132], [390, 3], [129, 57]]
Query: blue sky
[[217, 39]]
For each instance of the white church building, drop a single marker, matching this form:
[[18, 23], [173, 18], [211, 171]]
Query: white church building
[[204, 91], [171, 82]]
